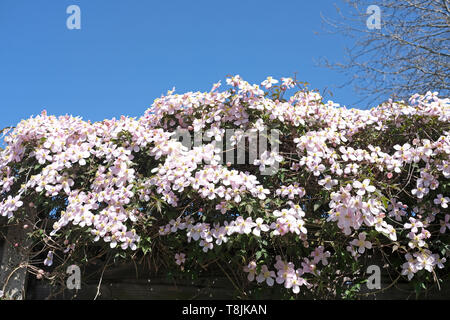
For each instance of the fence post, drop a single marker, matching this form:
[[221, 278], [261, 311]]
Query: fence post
[[14, 260]]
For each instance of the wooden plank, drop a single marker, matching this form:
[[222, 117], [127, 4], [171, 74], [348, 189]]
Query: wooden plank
[[131, 289]]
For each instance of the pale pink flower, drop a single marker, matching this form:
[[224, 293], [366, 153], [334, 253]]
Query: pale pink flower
[[319, 255], [269, 82], [443, 201], [420, 192], [251, 269], [180, 258], [49, 259], [361, 243], [288, 83], [363, 187], [328, 182], [445, 223], [260, 226], [266, 275], [413, 225], [408, 270], [440, 262]]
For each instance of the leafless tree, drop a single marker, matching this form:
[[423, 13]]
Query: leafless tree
[[407, 53]]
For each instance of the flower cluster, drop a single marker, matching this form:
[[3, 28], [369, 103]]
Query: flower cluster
[[285, 272], [360, 179]]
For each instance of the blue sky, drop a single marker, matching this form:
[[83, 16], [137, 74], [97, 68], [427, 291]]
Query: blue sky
[[128, 53]]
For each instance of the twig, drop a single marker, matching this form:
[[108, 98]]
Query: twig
[[229, 278], [100, 282], [10, 275]]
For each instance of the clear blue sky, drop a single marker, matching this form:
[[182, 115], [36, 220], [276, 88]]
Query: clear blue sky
[[128, 53]]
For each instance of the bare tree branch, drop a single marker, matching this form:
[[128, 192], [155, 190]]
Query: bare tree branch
[[409, 54]]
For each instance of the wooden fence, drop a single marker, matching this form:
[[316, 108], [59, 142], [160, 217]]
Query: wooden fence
[[126, 282], [120, 283]]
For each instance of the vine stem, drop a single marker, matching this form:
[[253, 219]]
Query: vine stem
[[381, 290], [229, 278], [100, 282], [10, 275]]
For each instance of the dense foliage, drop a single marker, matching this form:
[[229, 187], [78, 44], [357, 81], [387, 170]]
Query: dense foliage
[[349, 185]]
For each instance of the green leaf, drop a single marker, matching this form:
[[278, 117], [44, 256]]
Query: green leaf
[[316, 206], [258, 255], [385, 202]]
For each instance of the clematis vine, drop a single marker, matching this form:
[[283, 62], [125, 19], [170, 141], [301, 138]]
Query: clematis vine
[[349, 183]]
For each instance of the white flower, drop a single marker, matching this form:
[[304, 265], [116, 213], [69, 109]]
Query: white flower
[[180, 258], [328, 182], [266, 275], [363, 187], [361, 243], [443, 201], [260, 226], [268, 82]]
